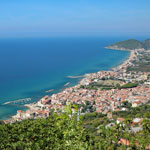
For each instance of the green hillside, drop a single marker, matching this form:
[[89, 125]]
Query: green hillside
[[131, 44], [146, 44], [62, 131]]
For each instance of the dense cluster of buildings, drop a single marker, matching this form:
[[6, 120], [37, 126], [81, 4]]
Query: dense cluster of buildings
[[105, 101]]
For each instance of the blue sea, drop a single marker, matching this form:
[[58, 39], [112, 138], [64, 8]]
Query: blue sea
[[31, 66]]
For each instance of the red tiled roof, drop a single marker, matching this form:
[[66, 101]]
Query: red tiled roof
[[124, 142], [19, 111], [120, 119]]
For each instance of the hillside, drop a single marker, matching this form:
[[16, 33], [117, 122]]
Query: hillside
[[146, 44], [94, 131], [131, 44]]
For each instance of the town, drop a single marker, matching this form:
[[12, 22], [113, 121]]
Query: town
[[106, 91]]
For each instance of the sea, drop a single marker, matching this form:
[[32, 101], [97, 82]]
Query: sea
[[31, 66]]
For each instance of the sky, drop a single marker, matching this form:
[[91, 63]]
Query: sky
[[23, 18]]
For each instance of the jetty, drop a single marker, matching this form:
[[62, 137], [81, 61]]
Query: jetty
[[67, 84], [73, 77], [48, 91], [17, 101]]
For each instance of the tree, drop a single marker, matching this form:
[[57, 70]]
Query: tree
[[59, 131]]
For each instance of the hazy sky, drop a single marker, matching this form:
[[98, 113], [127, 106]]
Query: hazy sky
[[74, 17]]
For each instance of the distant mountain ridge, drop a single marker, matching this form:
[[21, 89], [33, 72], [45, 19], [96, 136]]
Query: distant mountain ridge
[[131, 44]]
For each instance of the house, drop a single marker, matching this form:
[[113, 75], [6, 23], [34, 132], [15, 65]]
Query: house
[[127, 143], [109, 115], [137, 120], [124, 142], [119, 120], [109, 125], [136, 103], [44, 98], [19, 113], [136, 129]]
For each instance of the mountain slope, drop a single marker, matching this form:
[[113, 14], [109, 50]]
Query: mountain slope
[[146, 44], [130, 44]]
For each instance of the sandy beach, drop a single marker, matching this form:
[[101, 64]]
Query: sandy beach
[[129, 59]]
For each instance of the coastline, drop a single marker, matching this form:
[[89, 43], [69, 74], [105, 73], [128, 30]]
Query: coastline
[[130, 58], [85, 76], [117, 49]]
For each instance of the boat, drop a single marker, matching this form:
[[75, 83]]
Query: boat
[[6, 103], [67, 83]]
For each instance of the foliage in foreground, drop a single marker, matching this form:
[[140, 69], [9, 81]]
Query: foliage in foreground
[[59, 131], [62, 131]]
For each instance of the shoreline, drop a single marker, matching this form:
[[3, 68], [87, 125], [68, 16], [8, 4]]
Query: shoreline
[[85, 76], [117, 49], [130, 57]]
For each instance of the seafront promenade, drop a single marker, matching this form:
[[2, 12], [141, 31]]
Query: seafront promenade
[[88, 89]]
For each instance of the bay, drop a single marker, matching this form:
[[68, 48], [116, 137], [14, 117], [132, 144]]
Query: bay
[[31, 66]]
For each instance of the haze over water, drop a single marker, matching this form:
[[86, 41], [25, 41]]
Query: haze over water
[[30, 66]]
